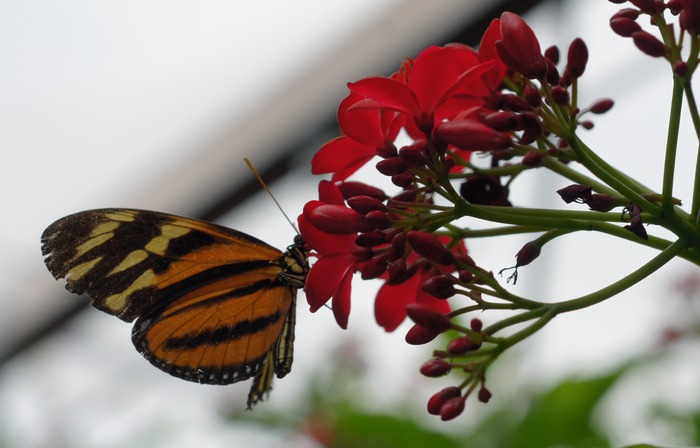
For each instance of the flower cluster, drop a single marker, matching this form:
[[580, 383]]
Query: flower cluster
[[517, 106]]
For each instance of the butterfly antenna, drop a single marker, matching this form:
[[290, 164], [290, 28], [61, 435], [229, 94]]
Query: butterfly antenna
[[262, 182]]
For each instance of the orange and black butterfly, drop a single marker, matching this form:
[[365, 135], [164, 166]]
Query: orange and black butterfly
[[212, 305]]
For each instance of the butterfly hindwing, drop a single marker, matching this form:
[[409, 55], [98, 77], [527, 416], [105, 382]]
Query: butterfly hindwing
[[212, 305]]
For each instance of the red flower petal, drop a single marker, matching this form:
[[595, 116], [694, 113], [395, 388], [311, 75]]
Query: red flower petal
[[325, 277], [337, 219], [472, 135], [391, 301], [341, 156], [390, 93], [341, 301]]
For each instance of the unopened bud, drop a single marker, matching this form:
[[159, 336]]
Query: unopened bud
[[427, 317], [649, 44], [602, 106], [438, 400], [429, 246], [419, 335], [435, 368], [440, 286], [452, 408]]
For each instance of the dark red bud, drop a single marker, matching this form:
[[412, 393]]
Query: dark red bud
[[420, 335], [514, 103], [530, 123], [378, 219], [532, 95], [502, 121], [370, 239], [429, 246], [465, 276], [624, 26], [577, 58], [560, 96], [476, 325], [374, 267], [484, 395], [459, 345], [529, 252], [675, 6], [438, 400], [397, 271], [435, 368], [362, 253], [552, 53], [472, 135], [452, 409], [533, 157], [398, 246], [413, 155], [350, 189], [405, 196], [602, 106], [647, 6], [627, 13], [520, 49], [689, 18], [649, 44], [403, 180], [387, 151], [440, 286], [337, 219], [680, 68], [392, 166], [553, 78], [365, 204], [428, 317], [465, 258], [587, 124]]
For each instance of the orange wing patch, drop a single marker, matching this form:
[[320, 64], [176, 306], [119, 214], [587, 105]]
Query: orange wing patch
[[213, 305]]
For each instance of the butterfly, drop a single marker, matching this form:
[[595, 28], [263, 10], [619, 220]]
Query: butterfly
[[212, 305]]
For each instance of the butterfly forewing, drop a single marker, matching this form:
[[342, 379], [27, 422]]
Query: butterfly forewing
[[213, 305]]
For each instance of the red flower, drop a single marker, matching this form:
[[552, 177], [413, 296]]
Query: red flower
[[367, 133], [520, 49], [437, 75], [331, 275]]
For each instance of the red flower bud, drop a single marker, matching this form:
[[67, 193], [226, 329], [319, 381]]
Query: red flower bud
[[484, 395], [362, 253], [533, 157], [627, 13], [552, 53], [389, 167], [624, 26], [337, 219], [405, 196], [560, 96], [502, 121], [647, 6], [429, 246], [398, 246], [476, 325], [520, 49], [532, 95], [680, 68], [378, 219], [601, 106], [437, 400], [689, 18], [350, 189], [419, 335], [452, 408], [365, 204], [440, 286], [527, 254], [514, 102], [459, 345], [397, 271], [575, 192], [601, 202], [414, 154], [649, 44], [435, 368], [374, 267], [577, 58], [427, 317], [530, 123], [370, 239], [472, 135], [402, 180]]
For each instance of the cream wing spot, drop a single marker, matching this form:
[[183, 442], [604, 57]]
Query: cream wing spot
[[78, 271], [92, 243], [159, 244], [121, 215], [134, 258], [105, 227], [118, 302]]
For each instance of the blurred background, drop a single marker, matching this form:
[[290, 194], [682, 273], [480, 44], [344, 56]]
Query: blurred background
[[154, 104]]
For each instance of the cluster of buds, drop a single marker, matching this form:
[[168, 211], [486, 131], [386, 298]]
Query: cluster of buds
[[518, 107]]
